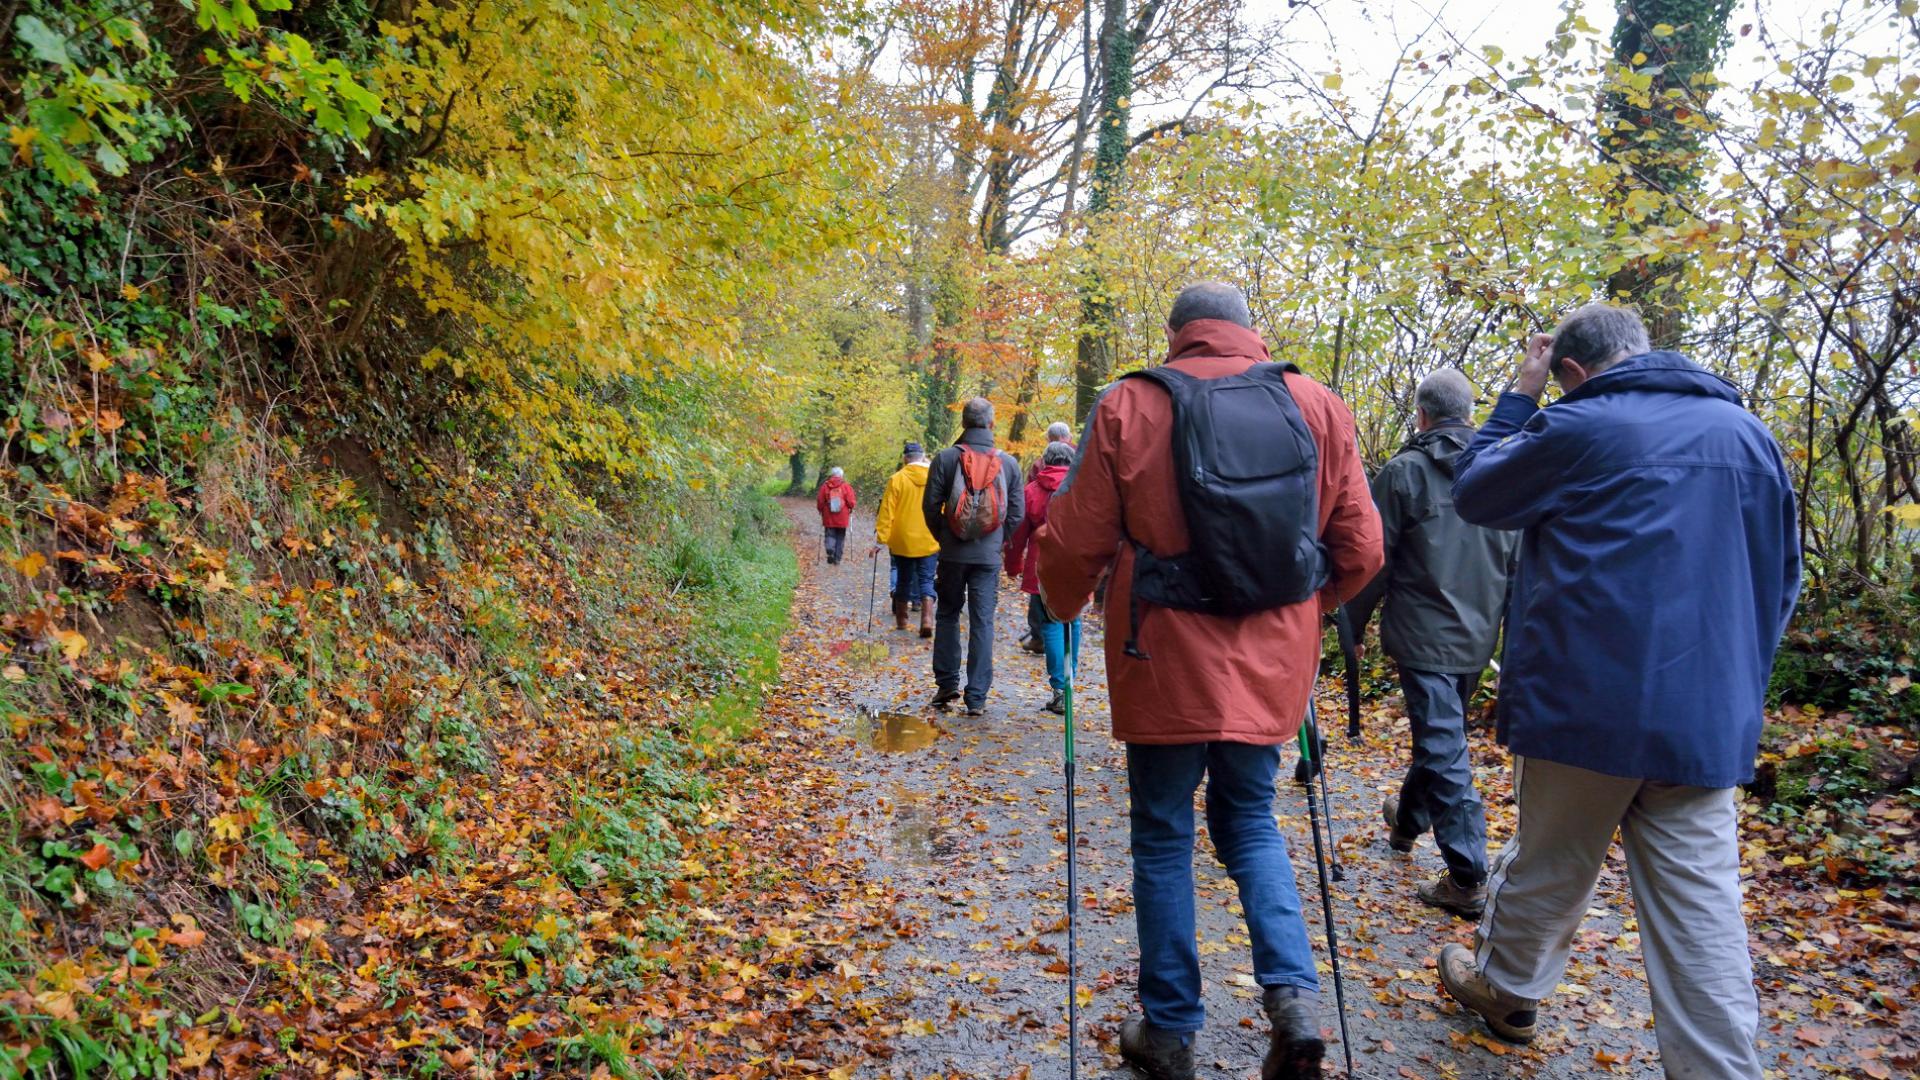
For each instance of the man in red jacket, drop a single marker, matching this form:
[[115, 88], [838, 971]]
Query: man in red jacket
[[835, 503], [1197, 694]]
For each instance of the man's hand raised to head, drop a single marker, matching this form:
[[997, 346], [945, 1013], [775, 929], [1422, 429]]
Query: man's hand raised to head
[[1532, 377]]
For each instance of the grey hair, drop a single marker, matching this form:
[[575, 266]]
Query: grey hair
[[1209, 300], [1057, 453], [836, 471], [1598, 336], [977, 413], [1445, 395], [1058, 431]]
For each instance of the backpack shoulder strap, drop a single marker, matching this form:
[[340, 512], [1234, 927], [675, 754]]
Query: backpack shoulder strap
[[1170, 379]]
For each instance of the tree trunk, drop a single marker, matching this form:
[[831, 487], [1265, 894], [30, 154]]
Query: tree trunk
[[1646, 133], [1098, 347], [797, 473]]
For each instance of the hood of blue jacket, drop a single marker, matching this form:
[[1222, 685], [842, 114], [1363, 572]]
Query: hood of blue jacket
[[1659, 371]]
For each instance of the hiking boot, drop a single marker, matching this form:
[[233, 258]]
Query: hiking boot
[[899, 614], [1509, 1016], [1296, 1047], [1466, 901], [979, 709], [1032, 645], [1057, 705], [1162, 1055], [1397, 840], [944, 698], [926, 620]]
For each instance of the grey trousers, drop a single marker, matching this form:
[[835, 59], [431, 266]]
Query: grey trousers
[[975, 588], [1682, 846], [1438, 791]]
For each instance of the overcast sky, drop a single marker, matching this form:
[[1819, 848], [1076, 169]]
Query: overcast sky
[[1363, 38]]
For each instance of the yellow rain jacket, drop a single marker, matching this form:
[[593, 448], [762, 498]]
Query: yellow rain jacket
[[900, 525]]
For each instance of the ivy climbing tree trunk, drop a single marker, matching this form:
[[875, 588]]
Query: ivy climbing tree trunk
[[1653, 125], [940, 376], [797, 472], [1094, 356]]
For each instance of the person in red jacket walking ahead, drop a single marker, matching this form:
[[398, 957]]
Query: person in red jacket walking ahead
[[835, 502], [1198, 694], [1023, 562]]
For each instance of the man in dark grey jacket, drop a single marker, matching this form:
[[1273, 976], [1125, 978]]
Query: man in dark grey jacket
[[968, 574], [1445, 587]]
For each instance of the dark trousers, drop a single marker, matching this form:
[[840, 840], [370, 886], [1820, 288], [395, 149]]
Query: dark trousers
[[975, 588], [1438, 791], [836, 544]]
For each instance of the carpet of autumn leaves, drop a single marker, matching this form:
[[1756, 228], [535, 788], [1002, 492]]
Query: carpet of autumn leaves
[[340, 762]]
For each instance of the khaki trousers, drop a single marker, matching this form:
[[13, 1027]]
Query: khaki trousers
[[1682, 848]]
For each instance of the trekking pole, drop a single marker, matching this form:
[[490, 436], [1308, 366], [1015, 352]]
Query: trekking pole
[[1073, 895], [1350, 653], [1306, 769], [873, 589], [1309, 738]]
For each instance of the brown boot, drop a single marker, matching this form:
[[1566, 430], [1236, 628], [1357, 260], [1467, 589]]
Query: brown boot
[[1510, 1016], [1466, 901], [1162, 1055], [899, 614], [1295, 1047], [926, 618]]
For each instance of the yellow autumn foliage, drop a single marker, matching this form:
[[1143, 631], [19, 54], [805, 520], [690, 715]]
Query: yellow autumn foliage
[[611, 194]]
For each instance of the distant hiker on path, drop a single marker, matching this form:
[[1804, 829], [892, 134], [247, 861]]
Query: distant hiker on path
[[901, 528], [1445, 586], [1059, 433], [1658, 565], [1211, 658], [973, 502], [1023, 564], [835, 501]]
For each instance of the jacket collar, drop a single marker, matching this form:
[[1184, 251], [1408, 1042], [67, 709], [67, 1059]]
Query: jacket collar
[[976, 436], [1215, 337], [1659, 371]]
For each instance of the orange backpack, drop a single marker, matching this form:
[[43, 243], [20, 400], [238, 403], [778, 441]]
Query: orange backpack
[[977, 501]]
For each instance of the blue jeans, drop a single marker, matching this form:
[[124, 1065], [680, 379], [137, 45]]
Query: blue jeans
[[909, 578], [1059, 642], [1161, 781]]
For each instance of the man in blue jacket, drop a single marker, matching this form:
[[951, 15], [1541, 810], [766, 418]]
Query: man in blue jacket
[[1658, 565]]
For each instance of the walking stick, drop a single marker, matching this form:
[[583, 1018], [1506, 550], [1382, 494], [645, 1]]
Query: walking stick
[[873, 589], [1309, 739], [1073, 893], [1350, 652]]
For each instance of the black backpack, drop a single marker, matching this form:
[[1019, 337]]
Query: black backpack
[[1249, 479]]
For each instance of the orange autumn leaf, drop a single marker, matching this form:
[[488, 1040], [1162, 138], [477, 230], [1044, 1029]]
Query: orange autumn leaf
[[97, 856]]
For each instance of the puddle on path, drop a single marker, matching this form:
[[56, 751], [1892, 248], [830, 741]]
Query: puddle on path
[[914, 831], [893, 732], [861, 651]]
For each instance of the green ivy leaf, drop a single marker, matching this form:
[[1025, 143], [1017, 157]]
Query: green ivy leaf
[[43, 42]]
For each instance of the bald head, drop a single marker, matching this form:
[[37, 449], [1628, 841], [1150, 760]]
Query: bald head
[[1209, 300]]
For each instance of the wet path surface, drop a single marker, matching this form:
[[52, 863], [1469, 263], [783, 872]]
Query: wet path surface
[[963, 819]]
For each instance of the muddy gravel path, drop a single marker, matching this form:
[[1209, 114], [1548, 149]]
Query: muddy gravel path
[[962, 818]]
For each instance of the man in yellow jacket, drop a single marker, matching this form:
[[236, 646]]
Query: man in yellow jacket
[[901, 528]]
